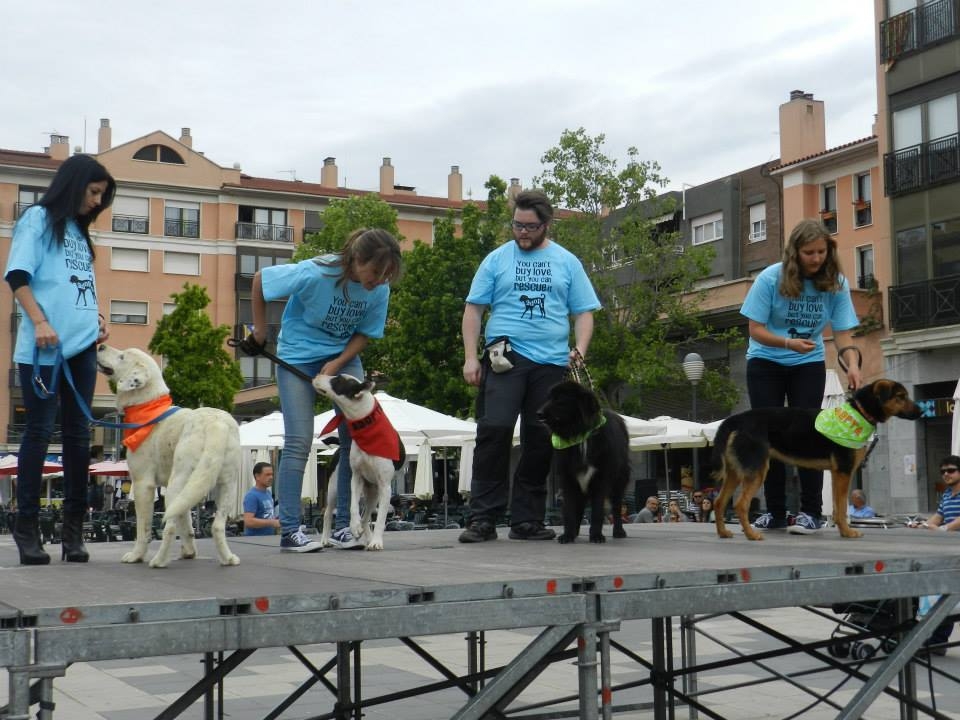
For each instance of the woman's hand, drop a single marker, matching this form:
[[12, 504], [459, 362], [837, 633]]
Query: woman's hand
[[44, 335], [471, 371], [800, 345], [104, 333]]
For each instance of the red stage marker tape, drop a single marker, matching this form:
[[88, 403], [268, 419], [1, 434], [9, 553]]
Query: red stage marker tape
[[880, 566], [262, 604], [606, 697], [69, 616], [618, 582], [745, 575], [551, 586]]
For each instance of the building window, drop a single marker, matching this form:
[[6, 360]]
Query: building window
[[26, 197], [131, 214], [911, 255], [181, 220], [946, 247], [159, 153], [256, 223], [707, 228], [828, 207], [862, 200], [177, 263], [168, 308], [758, 222], [127, 311], [926, 145], [132, 259], [865, 277]]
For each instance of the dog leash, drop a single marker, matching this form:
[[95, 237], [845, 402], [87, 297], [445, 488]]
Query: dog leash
[[44, 393], [578, 370], [250, 346]]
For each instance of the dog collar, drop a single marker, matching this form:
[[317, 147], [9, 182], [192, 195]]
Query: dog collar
[[146, 416], [560, 443], [845, 426]]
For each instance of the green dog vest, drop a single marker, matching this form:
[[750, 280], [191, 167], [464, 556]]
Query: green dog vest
[[844, 426], [560, 443]]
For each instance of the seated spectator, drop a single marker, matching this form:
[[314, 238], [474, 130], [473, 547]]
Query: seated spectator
[[650, 513], [674, 513], [706, 511], [858, 508]]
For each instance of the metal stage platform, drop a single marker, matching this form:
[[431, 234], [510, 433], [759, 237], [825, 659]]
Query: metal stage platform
[[426, 583]]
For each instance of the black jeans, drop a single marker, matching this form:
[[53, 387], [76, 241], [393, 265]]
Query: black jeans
[[769, 384], [40, 421], [520, 391]]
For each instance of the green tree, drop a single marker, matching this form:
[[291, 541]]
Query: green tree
[[421, 350], [199, 371], [645, 279], [342, 217]]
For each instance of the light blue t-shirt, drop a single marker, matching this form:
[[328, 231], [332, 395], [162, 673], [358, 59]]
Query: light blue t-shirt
[[320, 318], [62, 282], [531, 295], [260, 503], [803, 317]]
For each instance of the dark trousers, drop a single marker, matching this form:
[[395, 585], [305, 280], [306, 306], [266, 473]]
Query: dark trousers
[[41, 419], [769, 384], [503, 396]]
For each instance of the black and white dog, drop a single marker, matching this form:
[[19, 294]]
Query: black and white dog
[[592, 453], [375, 454]]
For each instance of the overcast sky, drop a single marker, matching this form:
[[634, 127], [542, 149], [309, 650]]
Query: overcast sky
[[487, 85]]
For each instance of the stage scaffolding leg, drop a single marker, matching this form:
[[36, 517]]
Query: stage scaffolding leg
[[587, 671], [606, 675], [18, 707], [476, 660], [659, 629], [343, 681], [688, 647]]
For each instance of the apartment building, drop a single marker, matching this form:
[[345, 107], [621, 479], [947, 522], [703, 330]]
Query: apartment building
[[178, 218], [918, 100]]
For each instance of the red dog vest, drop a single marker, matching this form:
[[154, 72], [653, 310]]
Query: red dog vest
[[374, 433]]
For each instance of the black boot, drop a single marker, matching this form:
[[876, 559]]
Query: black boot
[[26, 534], [71, 543]]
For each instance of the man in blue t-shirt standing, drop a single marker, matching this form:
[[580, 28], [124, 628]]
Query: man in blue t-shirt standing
[[259, 511], [534, 289]]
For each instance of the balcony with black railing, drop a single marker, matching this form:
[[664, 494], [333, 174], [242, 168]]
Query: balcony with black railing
[[922, 166], [131, 224], [927, 304], [262, 231], [181, 228], [921, 27]]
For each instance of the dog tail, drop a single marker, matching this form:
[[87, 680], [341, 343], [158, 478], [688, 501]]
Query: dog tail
[[206, 469]]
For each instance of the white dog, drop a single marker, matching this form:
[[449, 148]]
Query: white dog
[[375, 454], [190, 452]]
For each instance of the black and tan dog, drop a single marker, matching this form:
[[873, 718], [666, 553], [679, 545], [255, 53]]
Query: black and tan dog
[[592, 453], [746, 442]]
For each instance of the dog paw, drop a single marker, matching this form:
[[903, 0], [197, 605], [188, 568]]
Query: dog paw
[[564, 539], [188, 554], [725, 534], [850, 533], [599, 538], [753, 534], [375, 546], [232, 560], [158, 563], [132, 557]]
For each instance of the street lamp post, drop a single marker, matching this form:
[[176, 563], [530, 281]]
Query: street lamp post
[[693, 368]]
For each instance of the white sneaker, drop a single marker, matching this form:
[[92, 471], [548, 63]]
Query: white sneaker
[[298, 542], [344, 539]]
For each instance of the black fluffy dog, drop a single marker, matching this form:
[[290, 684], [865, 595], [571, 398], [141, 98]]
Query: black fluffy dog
[[592, 451]]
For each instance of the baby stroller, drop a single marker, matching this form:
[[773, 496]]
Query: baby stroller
[[877, 617]]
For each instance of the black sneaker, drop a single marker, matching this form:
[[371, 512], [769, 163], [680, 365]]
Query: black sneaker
[[531, 531], [478, 531]]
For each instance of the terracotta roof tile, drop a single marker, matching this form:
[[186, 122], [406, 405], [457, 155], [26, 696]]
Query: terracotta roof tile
[[824, 152]]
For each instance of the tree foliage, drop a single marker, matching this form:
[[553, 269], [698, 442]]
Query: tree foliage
[[199, 371], [421, 350], [342, 217], [645, 279]]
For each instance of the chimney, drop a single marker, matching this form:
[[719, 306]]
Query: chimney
[[104, 136], [514, 189], [185, 137], [59, 147], [455, 184], [328, 173], [802, 127], [387, 176]]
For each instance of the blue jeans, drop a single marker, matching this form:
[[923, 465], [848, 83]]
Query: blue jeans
[[75, 428], [769, 384], [297, 403]]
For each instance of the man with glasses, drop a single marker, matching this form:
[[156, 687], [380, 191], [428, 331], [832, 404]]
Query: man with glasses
[[947, 516], [534, 289]]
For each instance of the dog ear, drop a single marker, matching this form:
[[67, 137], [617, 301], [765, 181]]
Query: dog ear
[[369, 385]]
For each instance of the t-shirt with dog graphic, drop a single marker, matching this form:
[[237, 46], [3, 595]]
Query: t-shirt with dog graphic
[[320, 318], [531, 295], [62, 282], [803, 317], [260, 503]]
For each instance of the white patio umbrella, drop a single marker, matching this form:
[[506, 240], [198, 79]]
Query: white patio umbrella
[[833, 396], [678, 434], [423, 481]]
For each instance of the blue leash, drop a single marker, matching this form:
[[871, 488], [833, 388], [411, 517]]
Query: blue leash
[[44, 393]]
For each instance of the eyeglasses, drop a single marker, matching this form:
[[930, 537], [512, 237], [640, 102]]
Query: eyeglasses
[[944, 471], [529, 227]]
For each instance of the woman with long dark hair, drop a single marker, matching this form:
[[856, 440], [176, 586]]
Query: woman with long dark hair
[[788, 307], [50, 270]]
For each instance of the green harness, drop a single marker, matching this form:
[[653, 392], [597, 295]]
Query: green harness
[[560, 443], [845, 426]]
